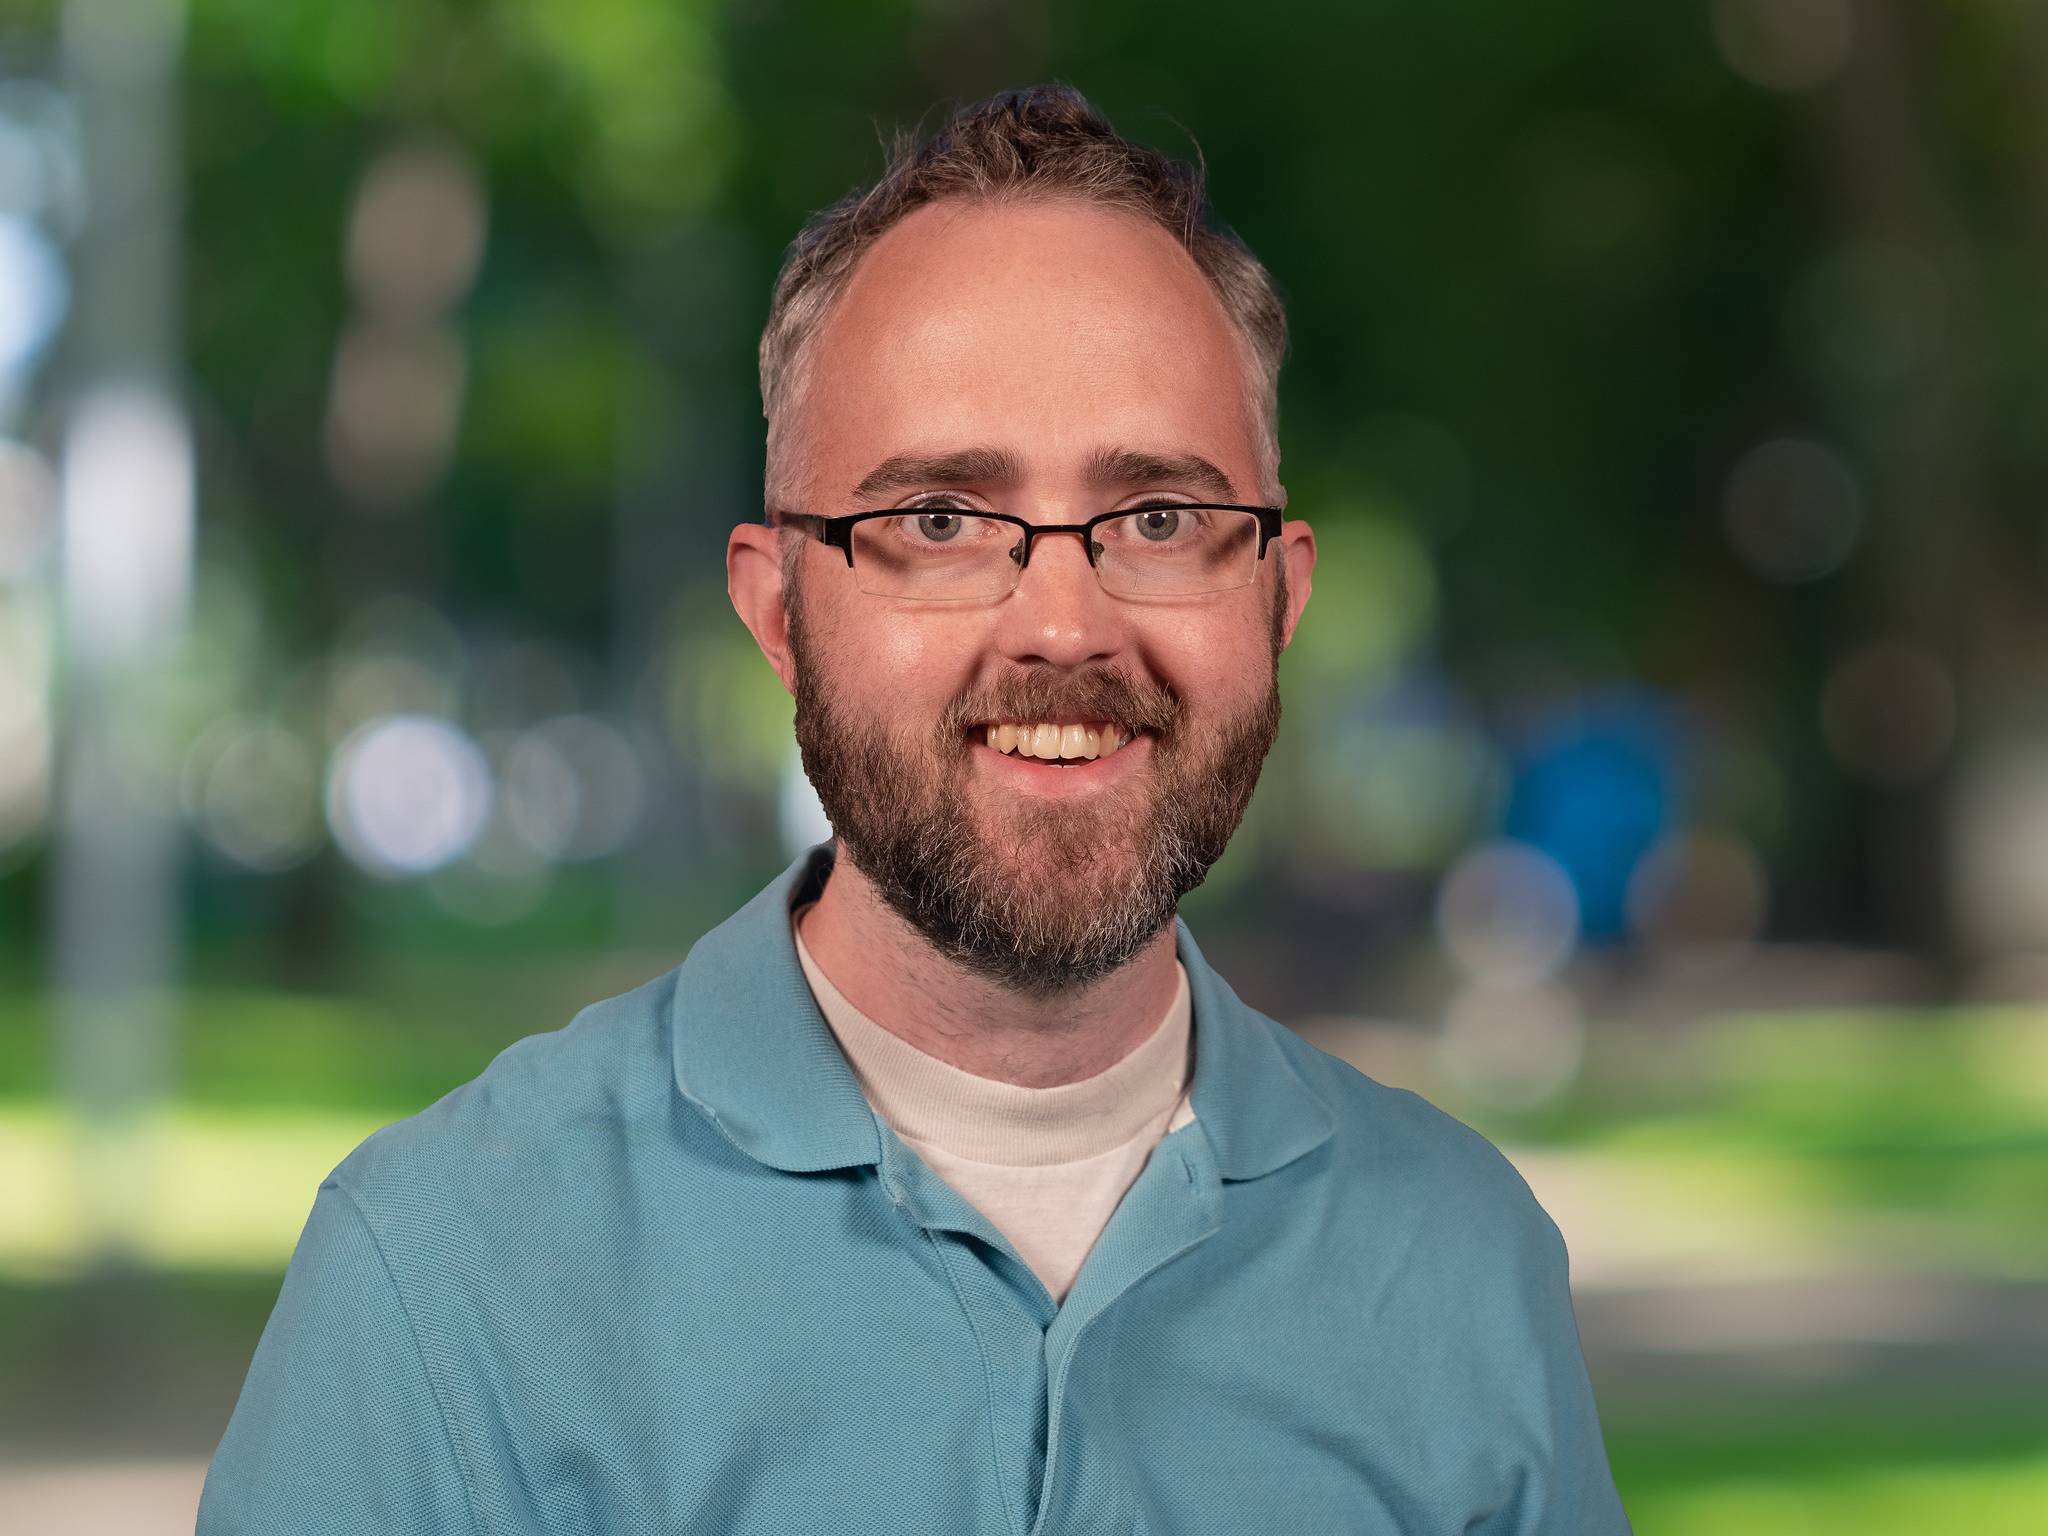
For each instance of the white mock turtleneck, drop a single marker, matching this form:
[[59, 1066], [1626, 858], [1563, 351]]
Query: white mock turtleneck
[[1046, 1165]]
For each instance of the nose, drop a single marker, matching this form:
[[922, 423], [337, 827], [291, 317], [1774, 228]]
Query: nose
[[1058, 613]]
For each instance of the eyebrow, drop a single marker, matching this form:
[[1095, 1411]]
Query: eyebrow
[[997, 466], [1128, 466], [969, 466]]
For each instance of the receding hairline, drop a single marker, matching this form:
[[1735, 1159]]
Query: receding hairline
[[794, 384], [1040, 142]]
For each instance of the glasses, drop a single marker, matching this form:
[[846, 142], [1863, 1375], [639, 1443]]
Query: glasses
[[946, 554]]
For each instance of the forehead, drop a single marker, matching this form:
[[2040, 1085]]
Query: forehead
[[1052, 329]]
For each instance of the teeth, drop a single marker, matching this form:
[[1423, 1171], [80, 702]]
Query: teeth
[[1055, 739]]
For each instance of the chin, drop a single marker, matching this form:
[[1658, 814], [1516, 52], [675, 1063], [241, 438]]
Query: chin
[[1078, 835]]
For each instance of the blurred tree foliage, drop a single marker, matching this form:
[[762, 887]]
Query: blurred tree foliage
[[1552, 270]]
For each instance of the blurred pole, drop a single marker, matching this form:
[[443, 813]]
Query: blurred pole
[[1934, 576], [126, 558]]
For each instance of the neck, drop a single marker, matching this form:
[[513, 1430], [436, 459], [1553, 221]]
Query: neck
[[890, 972]]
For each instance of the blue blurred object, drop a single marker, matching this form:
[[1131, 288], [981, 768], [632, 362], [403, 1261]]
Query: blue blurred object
[[1595, 784]]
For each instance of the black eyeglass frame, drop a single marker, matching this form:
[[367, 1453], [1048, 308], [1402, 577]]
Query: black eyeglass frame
[[837, 532]]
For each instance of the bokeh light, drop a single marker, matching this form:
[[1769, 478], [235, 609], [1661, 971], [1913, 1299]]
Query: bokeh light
[[1784, 45], [543, 800], [573, 788], [1399, 779], [415, 239], [1507, 914], [1699, 898], [416, 234], [34, 290], [128, 508], [1792, 509], [253, 788], [407, 794], [396, 404]]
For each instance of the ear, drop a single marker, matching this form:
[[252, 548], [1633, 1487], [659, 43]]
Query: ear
[[1298, 549], [753, 580]]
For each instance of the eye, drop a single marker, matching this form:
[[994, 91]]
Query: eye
[[1156, 524], [938, 525]]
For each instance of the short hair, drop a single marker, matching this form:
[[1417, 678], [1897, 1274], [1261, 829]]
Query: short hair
[[1046, 142]]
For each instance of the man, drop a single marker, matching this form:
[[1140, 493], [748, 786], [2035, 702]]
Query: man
[[945, 1188]]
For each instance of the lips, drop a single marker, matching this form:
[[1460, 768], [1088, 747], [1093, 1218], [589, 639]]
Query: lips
[[1060, 778]]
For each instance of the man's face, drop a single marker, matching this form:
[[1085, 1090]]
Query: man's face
[[1051, 361]]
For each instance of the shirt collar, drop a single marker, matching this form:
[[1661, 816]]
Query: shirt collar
[[755, 1056]]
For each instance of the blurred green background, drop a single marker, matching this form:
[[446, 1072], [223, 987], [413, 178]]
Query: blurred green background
[[1664, 783]]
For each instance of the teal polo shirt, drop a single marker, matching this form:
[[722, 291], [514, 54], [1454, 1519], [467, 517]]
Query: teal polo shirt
[[666, 1271]]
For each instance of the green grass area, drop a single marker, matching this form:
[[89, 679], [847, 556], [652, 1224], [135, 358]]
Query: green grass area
[[1831, 1467], [198, 1189], [274, 1049], [1848, 1115], [1863, 1081], [395, 1046]]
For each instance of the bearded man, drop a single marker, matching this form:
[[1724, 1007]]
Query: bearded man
[[945, 1188]]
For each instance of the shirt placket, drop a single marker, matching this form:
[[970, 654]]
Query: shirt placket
[[1029, 1344]]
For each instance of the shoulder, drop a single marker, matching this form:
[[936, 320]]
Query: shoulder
[[546, 1106], [1394, 1146]]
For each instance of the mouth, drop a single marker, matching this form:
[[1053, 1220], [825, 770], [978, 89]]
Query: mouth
[[1056, 743]]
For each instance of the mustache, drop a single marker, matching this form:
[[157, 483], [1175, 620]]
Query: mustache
[[1100, 693]]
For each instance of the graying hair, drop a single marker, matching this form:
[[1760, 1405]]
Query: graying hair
[[1045, 142]]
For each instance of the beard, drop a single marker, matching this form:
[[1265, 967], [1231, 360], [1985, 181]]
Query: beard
[[1041, 896]]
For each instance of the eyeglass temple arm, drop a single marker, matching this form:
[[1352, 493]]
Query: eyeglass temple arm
[[1269, 526], [826, 530]]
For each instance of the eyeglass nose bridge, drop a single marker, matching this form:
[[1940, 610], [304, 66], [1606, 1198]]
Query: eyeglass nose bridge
[[1020, 552]]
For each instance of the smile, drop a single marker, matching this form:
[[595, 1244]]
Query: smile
[[1055, 741]]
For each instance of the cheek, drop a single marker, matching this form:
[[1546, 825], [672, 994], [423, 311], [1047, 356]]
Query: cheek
[[903, 656], [890, 662], [1216, 661]]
